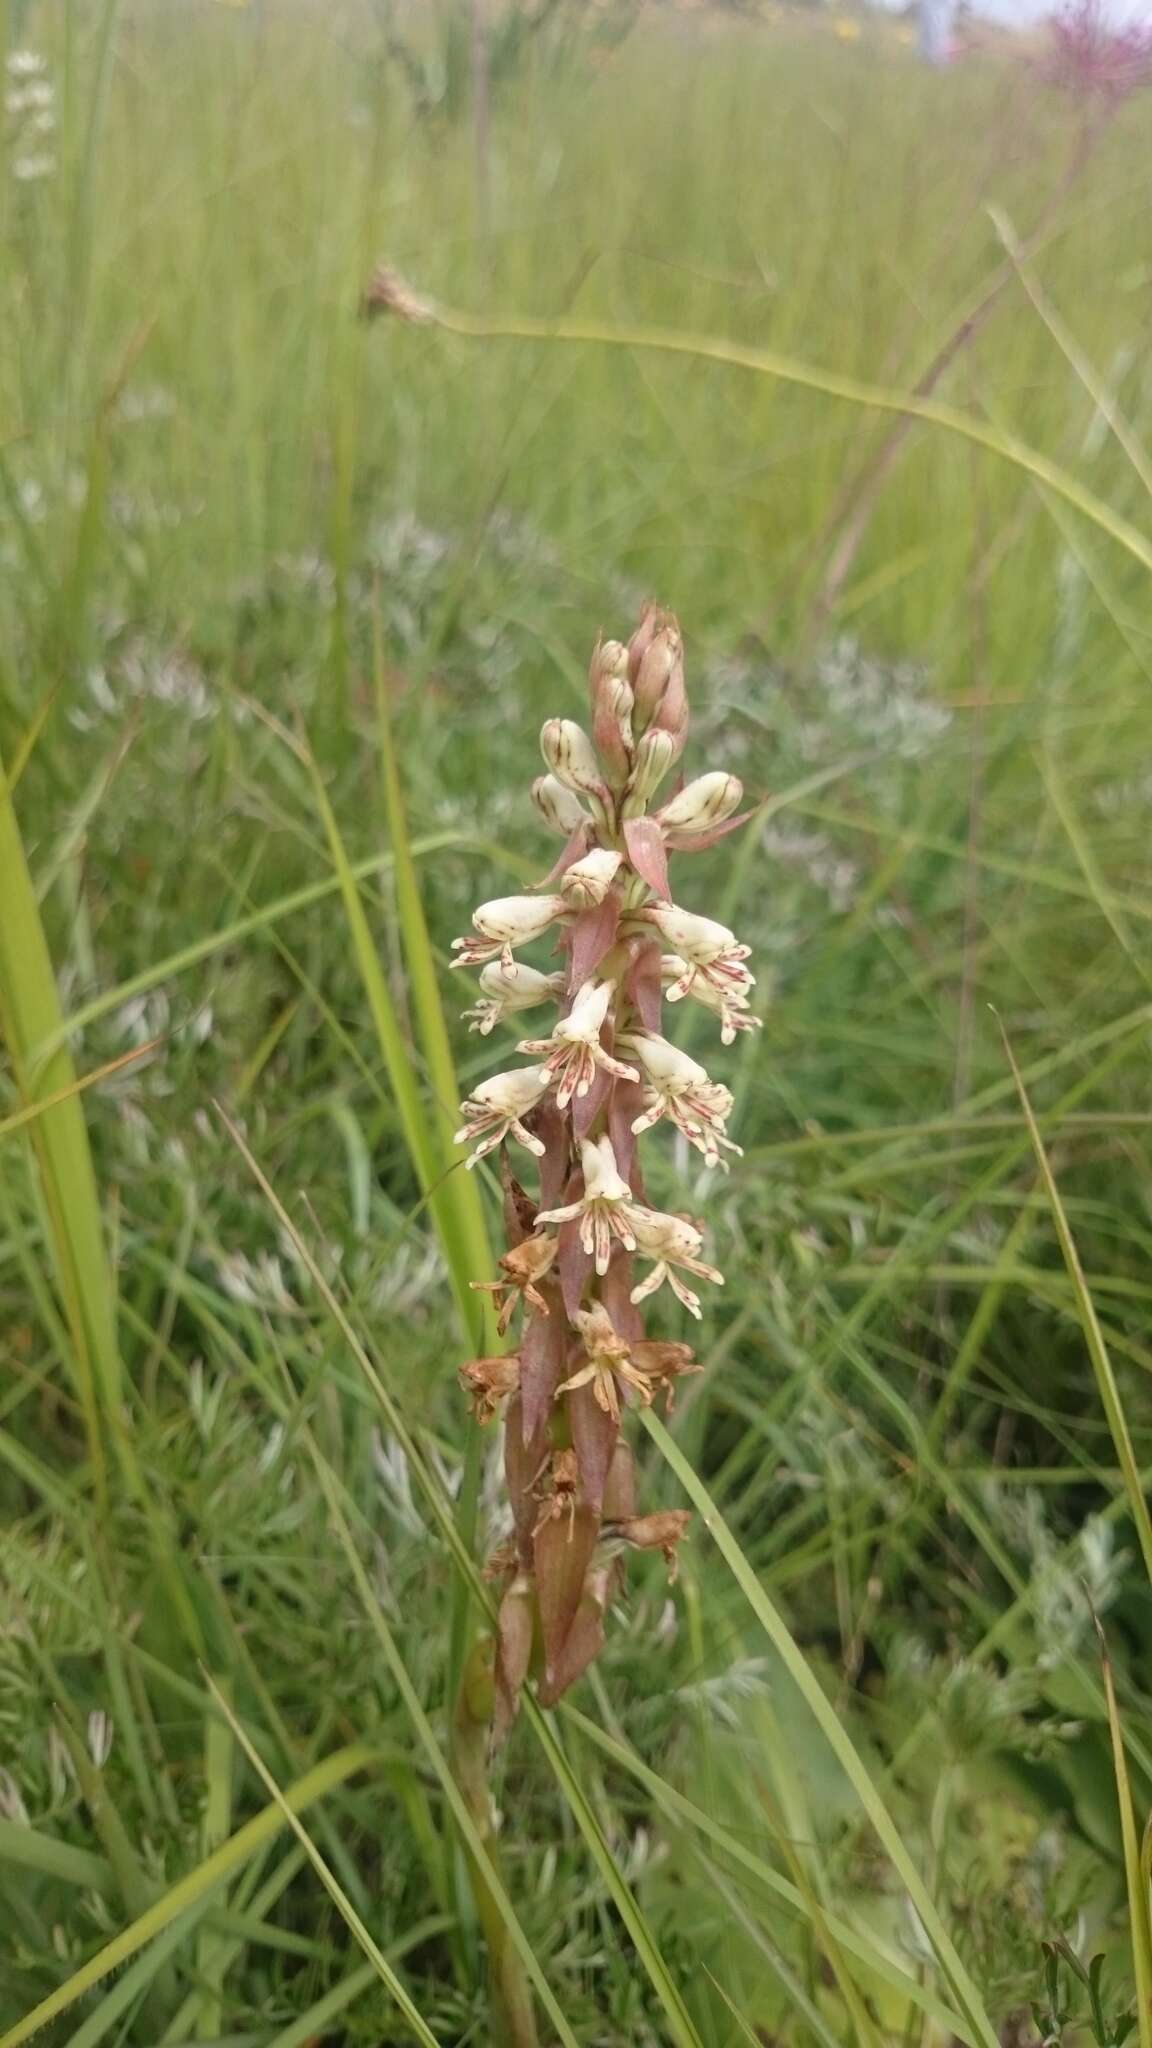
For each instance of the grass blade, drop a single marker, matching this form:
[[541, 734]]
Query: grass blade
[[314, 2024], [835, 1734], [679, 2020], [1093, 1335], [328, 1878], [680, 2024], [492, 1889], [469, 1248], [27, 1849], [1135, 1874], [787, 370], [196, 1885], [420, 1136], [29, 1017], [679, 1808]]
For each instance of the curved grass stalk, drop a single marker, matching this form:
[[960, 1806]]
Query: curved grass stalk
[[829, 383]]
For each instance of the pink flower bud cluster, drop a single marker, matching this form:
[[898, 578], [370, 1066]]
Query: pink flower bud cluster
[[588, 1248]]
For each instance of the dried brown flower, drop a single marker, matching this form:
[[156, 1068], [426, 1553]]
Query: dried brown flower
[[489, 1380], [387, 292]]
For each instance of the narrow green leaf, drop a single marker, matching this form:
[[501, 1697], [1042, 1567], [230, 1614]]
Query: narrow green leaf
[[477, 1847], [211, 1948], [228, 936], [1109, 1392], [679, 2019], [465, 1563], [29, 1014], [1135, 1875], [196, 1885], [835, 1734], [857, 1943], [328, 1878], [136, 1980], [418, 1126], [28, 1849], [470, 1244], [316, 2021]]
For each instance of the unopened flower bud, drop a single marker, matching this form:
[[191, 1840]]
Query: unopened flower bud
[[698, 939], [651, 618], [610, 661], [611, 696], [558, 806], [661, 661], [654, 757], [569, 754], [702, 803], [664, 1064], [506, 922], [588, 881]]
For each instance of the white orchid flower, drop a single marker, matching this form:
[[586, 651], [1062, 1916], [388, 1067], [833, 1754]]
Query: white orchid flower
[[605, 1210], [678, 1088], [573, 1052], [730, 1006], [675, 1246], [508, 989], [495, 1109]]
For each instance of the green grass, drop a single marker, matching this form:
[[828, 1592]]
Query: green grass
[[285, 599]]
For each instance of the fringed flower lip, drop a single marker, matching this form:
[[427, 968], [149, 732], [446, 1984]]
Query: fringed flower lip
[[641, 1364], [679, 1089], [729, 1005], [520, 1268], [607, 1208], [709, 950], [608, 1358], [573, 1054], [489, 1381], [675, 1246]]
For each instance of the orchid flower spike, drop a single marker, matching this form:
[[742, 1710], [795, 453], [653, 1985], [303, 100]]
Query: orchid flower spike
[[602, 1076]]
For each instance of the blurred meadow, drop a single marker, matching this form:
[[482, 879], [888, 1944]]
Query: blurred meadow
[[285, 597]]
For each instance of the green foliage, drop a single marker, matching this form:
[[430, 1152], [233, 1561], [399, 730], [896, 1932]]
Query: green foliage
[[840, 1783]]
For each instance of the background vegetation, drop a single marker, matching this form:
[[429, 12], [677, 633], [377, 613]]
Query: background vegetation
[[221, 1531]]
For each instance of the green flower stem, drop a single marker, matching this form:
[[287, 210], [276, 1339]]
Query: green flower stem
[[513, 2015]]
